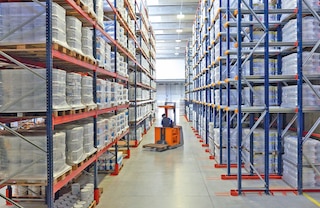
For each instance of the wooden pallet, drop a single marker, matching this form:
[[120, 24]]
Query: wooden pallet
[[23, 114], [57, 113], [157, 147], [24, 182], [76, 166], [62, 176]]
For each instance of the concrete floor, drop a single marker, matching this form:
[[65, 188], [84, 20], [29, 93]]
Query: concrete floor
[[183, 178]]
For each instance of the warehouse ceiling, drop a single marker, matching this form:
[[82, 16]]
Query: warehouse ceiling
[[165, 23]]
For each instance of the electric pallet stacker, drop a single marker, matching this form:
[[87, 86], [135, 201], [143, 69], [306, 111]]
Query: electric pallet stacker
[[167, 137]]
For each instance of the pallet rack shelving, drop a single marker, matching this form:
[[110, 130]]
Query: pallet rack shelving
[[48, 55], [240, 34]]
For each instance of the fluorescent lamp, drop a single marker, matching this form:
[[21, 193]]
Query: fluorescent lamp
[[176, 53], [155, 18], [152, 2], [160, 41], [179, 30], [158, 31], [180, 16], [177, 47], [178, 41]]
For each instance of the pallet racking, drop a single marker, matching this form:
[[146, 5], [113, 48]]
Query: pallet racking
[[188, 82], [251, 116], [51, 54]]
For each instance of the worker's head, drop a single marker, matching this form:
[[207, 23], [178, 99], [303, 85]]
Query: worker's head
[[163, 115]]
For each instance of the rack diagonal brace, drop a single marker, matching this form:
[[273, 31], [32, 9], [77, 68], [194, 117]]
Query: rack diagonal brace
[[22, 137], [11, 201], [254, 14], [255, 125], [21, 64], [289, 125]]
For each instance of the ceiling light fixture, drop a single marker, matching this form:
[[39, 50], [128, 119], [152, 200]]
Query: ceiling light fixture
[[179, 30], [178, 41], [177, 47], [180, 16], [176, 53], [158, 32]]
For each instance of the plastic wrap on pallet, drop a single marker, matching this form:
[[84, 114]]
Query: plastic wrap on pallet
[[102, 99], [258, 67], [310, 28], [29, 162], [74, 27], [14, 14], [87, 41], [74, 143], [258, 140], [87, 91], [88, 135], [74, 90], [292, 4], [312, 66], [30, 94], [290, 96], [310, 157], [258, 96], [100, 50], [259, 164], [99, 11], [233, 155]]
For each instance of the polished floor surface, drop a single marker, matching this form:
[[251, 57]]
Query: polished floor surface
[[185, 178]]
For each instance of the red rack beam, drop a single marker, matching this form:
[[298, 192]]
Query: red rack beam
[[69, 59], [225, 165], [72, 175], [235, 192], [74, 117], [249, 177]]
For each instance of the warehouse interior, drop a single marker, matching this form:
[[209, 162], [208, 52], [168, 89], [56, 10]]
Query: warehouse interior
[[84, 85]]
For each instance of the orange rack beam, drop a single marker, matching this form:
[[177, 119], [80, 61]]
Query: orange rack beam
[[248, 177]]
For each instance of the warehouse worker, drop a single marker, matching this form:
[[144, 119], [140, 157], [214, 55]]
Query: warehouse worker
[[166, 122]]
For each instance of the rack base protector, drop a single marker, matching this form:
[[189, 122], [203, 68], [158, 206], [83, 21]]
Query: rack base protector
[[157, 147]]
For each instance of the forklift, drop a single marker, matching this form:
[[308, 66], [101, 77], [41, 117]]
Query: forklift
[[166, 138]]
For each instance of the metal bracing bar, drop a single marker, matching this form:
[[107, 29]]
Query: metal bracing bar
[[254, 14], [255, 125], [254, 49], [273, 121], [314, 13], [244, 32], [314, 49], [242, 120], [20, 170], [22, 137], [313, 128], [32, 191], [11, 201], [311, 164], [255, 170], [311, 86], [20, 64], [289, 125], [8, 105]]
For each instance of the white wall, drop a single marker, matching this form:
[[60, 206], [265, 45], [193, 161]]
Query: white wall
[[170, 69]]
